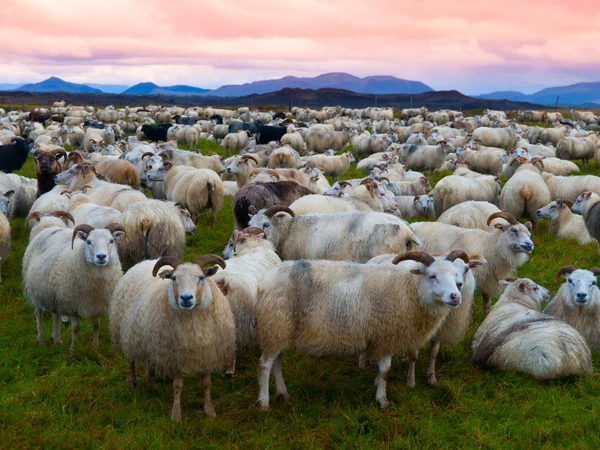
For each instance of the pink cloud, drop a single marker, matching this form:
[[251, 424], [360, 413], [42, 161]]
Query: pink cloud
[[464, 44]]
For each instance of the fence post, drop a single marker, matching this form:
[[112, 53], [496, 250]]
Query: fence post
[[290, 105], [95, 95], [556, 106], [9, 105]]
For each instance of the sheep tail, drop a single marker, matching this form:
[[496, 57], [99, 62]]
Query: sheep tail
[[526, 192]]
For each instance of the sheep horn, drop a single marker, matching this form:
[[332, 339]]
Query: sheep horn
[[563, 270], [164, 156], [146, 154], [249, 156], [511, 279], [278, 208], [595, 271], [455, 254], [503, 215], [62, 215], [415, 255], [380, 179], [114, 226], [66, 191], [252, 230], [206, 260], [58, 153], [366, 181], [344, 183], [273, 174], [519, 160], [87, 229], [166, 261], [33, 215], [537, 160]]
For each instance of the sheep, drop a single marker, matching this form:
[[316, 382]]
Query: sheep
[[119, 171], [577, 302], [505, 247], [525, 192], [564, 224], [425, 157], [103, 193], [454, 327], [516, 335], [318, 141], [588, 205], [340, 308], [419, 186], [350, 236], [470, 214], [199, 189], [152, 228], [14, 155], [73, 277], [198, 161], [47, 167], [177, 324], [453, 190], [38, 222], [239, 281], [54, 200], [4, 228], [415, 206], [294, 140], [569, 188], [84, 211], [24, 189], [487, 161], [235, 141], [284, 158], [552, 136], [495, 137], [576, 148]]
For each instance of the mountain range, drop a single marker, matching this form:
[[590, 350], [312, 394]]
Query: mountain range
[[153, 89], [574, 94]]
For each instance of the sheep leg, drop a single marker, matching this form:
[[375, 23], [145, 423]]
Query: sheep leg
[[96, 325], [131, 379], [74, 330], [384, 365], [265, 364], [433, 351], [177, 388], [362, 360], [487, 302], [209, 410], [231, 368], [412, 360], [280, 387], [150, 381], [40, 329], [56, 329], [0, 270]]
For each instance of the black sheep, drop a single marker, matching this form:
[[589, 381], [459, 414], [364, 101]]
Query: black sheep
[[156, 132], [252, 127], [184, 120], [217, 119], [279, 115], [266, 134], [98, 125], [13, 156]]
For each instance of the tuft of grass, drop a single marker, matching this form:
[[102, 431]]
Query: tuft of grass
[[49, 398]]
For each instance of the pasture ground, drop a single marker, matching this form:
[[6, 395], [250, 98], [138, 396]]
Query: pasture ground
[[51, 399]]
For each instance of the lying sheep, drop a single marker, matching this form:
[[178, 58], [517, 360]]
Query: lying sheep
[[564, 224], [353, 236], [577, 302], [588, 205], [333, 166], [516, 335], [178, 323], [415, 206], [454, 190], [249, 255], [505, 247], [73, 273], [340, 308]]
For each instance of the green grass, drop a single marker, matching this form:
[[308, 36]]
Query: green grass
[[51, 399]]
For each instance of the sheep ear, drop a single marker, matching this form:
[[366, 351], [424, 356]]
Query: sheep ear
[[9, 194], [504, 283], [417, 271], [211, 271], [476, 263], [500, 226], [528, 226], [522, 286], [118, 235], [82, 235], [167, 273], [252, 210]]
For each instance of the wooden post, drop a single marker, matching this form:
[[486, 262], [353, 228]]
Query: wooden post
[[95, 95], [556, 106], [290, 105]]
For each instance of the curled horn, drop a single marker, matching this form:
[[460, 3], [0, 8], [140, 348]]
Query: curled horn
[[66, 191], [273, 173], [344, 183], [252, 230], [595, 271], [249, 156], [563, 270], [87, 229], [366, 181], [520, 160], [181, 206], [58, 153], [380, 179], [278, 208], [164, 156], [206, 260], [33, 215], [165, 261], [455, 254], [62, 215], [146, 154], [114, 226], [76, 157], [503, 215], [537, 160], [415, 255]]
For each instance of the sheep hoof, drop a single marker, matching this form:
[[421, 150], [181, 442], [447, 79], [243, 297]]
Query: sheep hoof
[[431, 379], [383, 402], [230, 373], [262, 404], [57, 341], [210, 412], [42, 342], [283, 395], [176, 416], [95, 342], [132, 382], [411, 384]]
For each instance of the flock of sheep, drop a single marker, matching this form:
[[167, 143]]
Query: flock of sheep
[[322, 267]]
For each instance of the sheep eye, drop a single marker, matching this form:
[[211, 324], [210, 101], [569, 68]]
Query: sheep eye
[[112, 241], [174, 277], [536, 289], [570, 281], [432, 277], [594, 283]]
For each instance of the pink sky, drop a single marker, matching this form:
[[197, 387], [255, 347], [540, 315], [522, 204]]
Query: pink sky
[[473, 46]]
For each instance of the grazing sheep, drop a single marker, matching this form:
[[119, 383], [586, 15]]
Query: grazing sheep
[[424, 157], [341, 308], [177, 324], [525, 192], [470, 214], [351, 236], [73, 273], [576, 148], [249, 255], [577, 303], [505, 247], [495, 137], [588, 205], [516, 335]]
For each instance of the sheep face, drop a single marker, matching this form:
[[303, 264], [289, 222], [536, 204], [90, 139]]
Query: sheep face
[[384, 196], [67, 176], [4, 201], [584, 201], [99, 245], [186, 218], [516, 238], [443, 282], [151, 167], [582, 286], [188, 287], [528, 288], [240, 166], [550, 211], [259, 220], [424, 204]]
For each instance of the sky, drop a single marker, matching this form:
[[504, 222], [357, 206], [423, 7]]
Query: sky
[[474, 46]]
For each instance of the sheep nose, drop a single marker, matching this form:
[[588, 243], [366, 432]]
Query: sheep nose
[[186, 300], [539, 213], [527, 246], [229, 170], [455, 297], [101, 257], [581, 296]]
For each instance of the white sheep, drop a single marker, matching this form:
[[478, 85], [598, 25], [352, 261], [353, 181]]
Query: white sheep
[[415, 206], [454, 190], [569, 188], [516, 335], [470, 214], [4, 228], [177, 324], [588, 205], [333, 166], [564, 224], [525, 192]]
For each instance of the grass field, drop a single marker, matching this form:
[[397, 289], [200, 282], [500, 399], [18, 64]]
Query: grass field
[[49, 398]]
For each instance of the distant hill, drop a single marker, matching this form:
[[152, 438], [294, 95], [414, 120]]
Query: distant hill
[[149, 88], [109, 88], [9, 86], [54, 84], [574, 94], [367, 85]]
